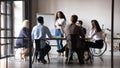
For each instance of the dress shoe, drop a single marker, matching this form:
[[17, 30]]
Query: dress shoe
[[43, 61], [81, 62], [61, 50], [69, 62]]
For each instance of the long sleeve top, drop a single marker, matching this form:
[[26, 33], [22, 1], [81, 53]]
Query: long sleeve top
[[24, 33], [41, 32]]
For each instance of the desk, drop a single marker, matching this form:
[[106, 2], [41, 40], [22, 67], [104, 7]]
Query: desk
[[61, 38], [56, 38]]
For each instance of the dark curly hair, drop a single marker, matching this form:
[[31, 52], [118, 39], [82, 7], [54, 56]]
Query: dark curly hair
[[62, 15]]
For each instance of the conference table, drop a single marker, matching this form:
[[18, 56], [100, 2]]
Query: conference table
[[60, 38], [56, 38]]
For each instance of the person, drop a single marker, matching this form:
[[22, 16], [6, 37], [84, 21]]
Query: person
[[60, 23], [80, 23], [23, 43], [96, 37], [39, 33], [73, 32], [83, 29]]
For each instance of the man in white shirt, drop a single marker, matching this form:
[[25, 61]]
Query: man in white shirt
[[39, 33]]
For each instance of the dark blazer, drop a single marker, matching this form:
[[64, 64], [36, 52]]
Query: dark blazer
[[23, 41]]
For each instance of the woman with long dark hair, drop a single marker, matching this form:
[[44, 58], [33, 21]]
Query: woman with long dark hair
[[96, 37], [60, 23]]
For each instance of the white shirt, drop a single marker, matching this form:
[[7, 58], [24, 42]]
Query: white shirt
[[37, 31], [95, 35], [60, 21]]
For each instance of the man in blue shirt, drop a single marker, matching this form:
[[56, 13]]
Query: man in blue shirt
[[39, 33]]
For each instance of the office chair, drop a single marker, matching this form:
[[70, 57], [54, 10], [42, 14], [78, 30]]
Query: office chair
[[75, 45], [37, 49]]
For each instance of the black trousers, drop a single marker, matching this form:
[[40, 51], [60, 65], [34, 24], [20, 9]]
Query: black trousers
[[97, 44], [41, 52]]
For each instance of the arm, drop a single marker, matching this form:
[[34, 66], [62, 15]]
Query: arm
[[32, 34], [82, 35], [61, 22], [85, 31], [66, 30], [80, 32], [91, 35], [47, 31], [25, 32]]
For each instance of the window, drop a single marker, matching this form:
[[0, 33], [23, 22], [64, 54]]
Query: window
[[6, 29]]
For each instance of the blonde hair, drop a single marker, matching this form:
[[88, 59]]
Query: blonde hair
[[26, 23]]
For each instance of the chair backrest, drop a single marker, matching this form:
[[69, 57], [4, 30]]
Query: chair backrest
[[73, 41], [37, 44]]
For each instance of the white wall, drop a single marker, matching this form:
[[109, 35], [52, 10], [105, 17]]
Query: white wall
[[86, 10]]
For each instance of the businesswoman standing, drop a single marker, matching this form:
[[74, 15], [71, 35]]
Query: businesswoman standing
[[60, 22]]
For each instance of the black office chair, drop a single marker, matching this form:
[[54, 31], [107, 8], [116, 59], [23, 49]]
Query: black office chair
[[74, 45], [37, 49]]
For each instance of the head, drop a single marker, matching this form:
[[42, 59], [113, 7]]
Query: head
[[79, 23], [74, 19], [96, 25], [60, 14], [26, 23], [41, 20]]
